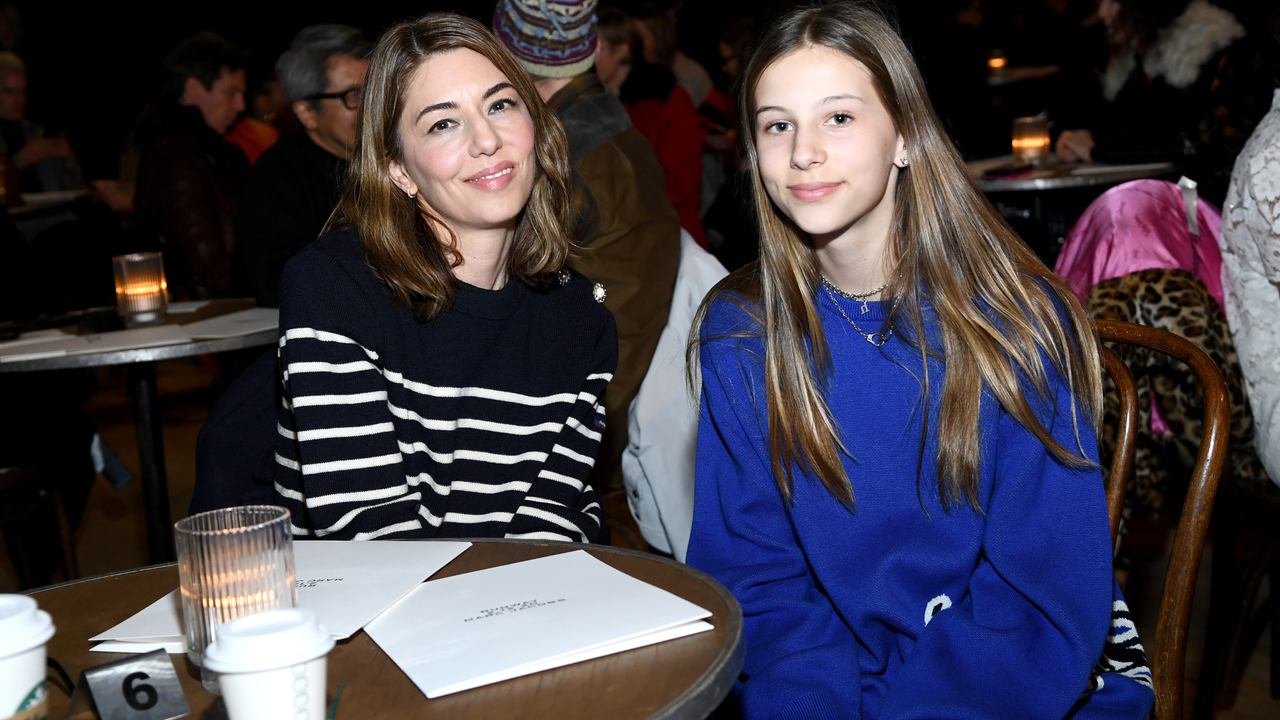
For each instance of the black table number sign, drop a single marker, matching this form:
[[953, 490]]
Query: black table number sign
[[142, 687]]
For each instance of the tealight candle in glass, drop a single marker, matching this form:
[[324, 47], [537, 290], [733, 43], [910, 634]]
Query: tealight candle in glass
[[142, 295], [232, 562], [1031, 139]]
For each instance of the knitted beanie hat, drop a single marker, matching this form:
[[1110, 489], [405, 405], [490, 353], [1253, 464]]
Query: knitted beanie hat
[[551, 38]]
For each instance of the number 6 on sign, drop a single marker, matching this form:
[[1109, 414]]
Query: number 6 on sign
[[142, 687]]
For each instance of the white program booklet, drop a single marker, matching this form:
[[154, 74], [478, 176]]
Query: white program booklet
[[484, 627], [49, 345], [346, 583], [244, 322]]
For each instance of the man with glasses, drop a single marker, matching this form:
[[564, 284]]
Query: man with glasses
[[296, 183]]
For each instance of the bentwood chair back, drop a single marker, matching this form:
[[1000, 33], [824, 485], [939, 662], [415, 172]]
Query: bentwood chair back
[[1169, 651], [1121, 471]]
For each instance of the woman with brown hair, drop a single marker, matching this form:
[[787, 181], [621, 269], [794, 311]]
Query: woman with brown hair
[[442, 370], [897, 465]]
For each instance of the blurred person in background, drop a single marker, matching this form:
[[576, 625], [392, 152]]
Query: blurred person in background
[[43, 163], [188, 174], [614, 58], [294, 187], [627, 227], [664, 113], [264, 105], [657, 27], [268, 102], [729, 220], [1182, 85], [736, 45]]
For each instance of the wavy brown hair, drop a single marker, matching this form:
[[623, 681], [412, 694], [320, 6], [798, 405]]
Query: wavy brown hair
[[998, 309], [399, 243]]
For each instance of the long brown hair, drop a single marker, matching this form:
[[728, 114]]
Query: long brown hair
[[399, 243], [997, 307]]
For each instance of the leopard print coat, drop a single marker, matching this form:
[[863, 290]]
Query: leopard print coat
[[1176, 301]]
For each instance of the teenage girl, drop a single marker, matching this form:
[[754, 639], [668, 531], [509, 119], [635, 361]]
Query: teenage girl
[[897, 462]]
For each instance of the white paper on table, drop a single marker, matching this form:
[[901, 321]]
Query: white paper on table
[[133, 648], [153, 336], [345, 583], [182, 307], [159, 622], [483, 627], [34, 336], [236, 324], [348, 584]]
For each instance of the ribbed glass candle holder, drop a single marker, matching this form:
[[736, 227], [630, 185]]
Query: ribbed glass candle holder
[[232, 562], [1031, 139], [142, 294]]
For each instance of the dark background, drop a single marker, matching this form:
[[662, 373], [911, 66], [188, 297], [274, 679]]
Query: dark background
[[93, 66]]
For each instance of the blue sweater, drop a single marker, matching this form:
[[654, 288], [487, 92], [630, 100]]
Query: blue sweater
[[884, 611]]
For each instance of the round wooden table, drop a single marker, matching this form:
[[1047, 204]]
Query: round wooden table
[[680, 679]]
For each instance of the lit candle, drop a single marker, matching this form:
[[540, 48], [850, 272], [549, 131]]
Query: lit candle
[[1031, 139], [232, 562], [142, 295]]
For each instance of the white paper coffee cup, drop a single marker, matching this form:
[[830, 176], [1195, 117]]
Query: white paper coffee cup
[[272, 665], [24, 630]]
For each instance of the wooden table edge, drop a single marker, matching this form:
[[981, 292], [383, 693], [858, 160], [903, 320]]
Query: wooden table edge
[[698, 701]]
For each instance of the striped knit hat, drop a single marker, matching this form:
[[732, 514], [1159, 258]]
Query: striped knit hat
[[551, 38]]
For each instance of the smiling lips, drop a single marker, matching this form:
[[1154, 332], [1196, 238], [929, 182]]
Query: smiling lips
[[812, 192], [493, 178]]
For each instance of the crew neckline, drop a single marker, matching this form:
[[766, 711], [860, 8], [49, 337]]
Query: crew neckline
[[492, 304]]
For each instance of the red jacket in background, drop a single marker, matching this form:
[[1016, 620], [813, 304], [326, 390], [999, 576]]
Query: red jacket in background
[[673, 128]]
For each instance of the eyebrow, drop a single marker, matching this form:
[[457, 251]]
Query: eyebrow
[[836, 98], [450, 105], [497, 88], [825, 101]]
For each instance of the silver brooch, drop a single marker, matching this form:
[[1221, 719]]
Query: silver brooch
[[598, 292], [564, 277]]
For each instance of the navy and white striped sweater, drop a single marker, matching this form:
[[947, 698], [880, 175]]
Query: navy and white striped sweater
[[483, 422]]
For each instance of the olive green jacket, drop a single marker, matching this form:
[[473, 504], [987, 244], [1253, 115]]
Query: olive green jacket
[[630, 235]]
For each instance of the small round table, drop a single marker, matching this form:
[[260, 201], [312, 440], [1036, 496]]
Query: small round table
[[141, 363], [1042, 204], [1065, 176], [682, 679]]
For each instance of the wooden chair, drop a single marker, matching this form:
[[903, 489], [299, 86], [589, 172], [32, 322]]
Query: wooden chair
[[1246, 549], [20, 482], [1169, 650]]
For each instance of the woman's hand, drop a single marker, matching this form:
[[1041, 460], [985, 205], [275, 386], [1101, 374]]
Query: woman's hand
[[1075, 146]]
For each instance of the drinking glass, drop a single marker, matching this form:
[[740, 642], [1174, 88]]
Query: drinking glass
[[142, 295], [232, 562], [1031, 139]]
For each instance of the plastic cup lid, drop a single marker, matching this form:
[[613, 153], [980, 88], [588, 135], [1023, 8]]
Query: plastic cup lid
[[22, 625], [267, 641]]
